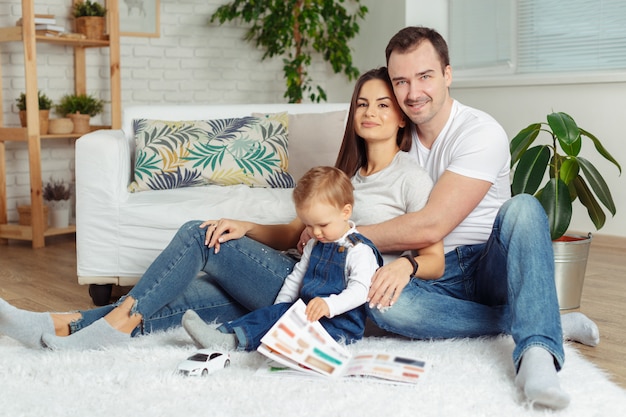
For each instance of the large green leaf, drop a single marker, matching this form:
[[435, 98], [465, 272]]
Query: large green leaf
[[601, 150], [556, 202], [587, 199], [572, 191], [597, 183], [530, 170], [523, 140], [566, 131], [568, 170]]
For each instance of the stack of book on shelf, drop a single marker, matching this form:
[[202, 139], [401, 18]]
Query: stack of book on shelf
[[45, 24]]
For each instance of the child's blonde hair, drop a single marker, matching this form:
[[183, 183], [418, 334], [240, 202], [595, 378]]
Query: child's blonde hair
[[324, 184]]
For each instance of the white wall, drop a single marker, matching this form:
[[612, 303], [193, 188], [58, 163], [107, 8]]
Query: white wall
[[193, 62], [382, 22]]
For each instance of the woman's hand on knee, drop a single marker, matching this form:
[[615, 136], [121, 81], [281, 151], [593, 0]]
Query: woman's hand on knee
[[223, 230], [387, 284]]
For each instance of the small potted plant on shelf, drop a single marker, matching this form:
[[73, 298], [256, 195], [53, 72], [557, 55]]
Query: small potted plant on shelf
[[57, 196], [570, 177], [45, 104], [80, 108], [89, 19]]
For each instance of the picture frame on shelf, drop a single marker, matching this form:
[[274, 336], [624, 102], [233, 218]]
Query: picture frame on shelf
[[140, 18]]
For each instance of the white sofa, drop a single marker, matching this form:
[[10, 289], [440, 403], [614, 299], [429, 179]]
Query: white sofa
[[119, 233]]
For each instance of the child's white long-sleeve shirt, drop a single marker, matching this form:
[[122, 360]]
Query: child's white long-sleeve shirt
[[360, 266]]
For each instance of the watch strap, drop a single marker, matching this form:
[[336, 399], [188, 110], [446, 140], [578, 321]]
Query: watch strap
[[413, 263]]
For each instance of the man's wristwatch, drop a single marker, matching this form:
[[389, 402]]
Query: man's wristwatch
[[413, 263]]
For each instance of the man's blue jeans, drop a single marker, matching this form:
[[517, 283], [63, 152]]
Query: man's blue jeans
[[245, 275], [505, 285]]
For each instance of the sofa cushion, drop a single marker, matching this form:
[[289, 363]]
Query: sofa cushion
[[173, 154], [321, 132]]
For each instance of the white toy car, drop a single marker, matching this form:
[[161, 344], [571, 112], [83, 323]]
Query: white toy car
[[204, 362]]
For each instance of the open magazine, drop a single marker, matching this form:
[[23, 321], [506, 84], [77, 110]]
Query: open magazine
[[294, 343]]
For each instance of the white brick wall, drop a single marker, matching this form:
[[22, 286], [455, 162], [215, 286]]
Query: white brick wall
[[191, 62]]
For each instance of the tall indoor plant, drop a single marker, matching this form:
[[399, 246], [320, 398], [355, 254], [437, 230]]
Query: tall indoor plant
[[570, 178], [296, 30]]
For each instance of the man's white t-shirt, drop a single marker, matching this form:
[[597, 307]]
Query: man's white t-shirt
[[472, 144]]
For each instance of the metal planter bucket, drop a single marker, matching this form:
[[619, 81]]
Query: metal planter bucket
[[570, 264]]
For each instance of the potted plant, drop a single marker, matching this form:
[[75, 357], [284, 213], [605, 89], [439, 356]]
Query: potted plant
[[570, 178], [57, 195], [89, 19], [296, 30], [80, 108], [45, 104]]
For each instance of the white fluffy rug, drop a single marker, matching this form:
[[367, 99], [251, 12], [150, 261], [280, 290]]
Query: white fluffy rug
[[468, 378]]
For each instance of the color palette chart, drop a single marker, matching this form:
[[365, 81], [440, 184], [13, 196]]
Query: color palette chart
[[297, 344]]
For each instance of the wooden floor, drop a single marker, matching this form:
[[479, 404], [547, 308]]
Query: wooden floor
[[45, 280]]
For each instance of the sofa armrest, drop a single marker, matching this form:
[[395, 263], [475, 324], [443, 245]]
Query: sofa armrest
[[103, 160], [103, 164]]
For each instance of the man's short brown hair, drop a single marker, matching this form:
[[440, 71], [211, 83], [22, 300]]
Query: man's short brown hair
[[411, 37]]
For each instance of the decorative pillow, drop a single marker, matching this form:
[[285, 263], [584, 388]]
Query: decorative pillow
[[314, 138], [282, 117], [174, 154]]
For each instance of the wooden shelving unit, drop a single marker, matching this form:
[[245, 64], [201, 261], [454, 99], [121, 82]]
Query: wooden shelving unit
[[25, 34]]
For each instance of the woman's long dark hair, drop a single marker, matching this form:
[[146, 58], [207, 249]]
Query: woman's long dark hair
[[352, 154]]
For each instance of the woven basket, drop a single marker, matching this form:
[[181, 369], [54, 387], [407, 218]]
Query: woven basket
[[91, 26], [26, 216]]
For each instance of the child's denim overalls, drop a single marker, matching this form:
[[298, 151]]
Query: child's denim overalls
[[324, 276]]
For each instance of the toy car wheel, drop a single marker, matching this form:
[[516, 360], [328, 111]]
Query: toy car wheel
[[227, 363], [205, 372]]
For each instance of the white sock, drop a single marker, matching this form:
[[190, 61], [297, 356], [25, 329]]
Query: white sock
[[205, 335], [579, 328], [538, 379], [97, 335], [23, 325]]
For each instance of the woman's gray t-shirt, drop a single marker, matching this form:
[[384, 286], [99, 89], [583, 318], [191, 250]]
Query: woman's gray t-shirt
[[402, 187]]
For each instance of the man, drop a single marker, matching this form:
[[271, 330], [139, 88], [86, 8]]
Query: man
[[499, 275]]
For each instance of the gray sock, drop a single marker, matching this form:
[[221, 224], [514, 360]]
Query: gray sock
[[206, 336], [579, 328], [537, 378], [23, 325], [97, 335]]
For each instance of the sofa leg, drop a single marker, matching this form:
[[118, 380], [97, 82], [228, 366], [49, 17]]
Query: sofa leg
[[100, 294]]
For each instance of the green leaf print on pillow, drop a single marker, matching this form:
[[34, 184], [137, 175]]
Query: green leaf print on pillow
[[173, 154]]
